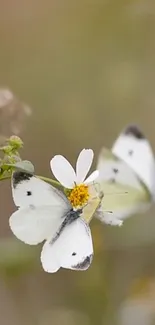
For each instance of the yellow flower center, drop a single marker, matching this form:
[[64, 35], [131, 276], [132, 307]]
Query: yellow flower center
[[79, 195]]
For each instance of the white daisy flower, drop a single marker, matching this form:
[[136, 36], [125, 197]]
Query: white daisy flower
[[79, 186]]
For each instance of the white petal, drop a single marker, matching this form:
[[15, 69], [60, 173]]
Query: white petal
[[33, 225], [83, 164], [48, 258], [92, 177], [63, 171]]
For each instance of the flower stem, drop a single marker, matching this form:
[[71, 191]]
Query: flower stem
[[51, 181], [46, 179]]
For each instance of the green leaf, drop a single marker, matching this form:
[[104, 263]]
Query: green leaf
[[24, 165]]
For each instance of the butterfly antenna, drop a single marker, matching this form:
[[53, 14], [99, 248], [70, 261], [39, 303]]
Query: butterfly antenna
[[107, 211], [116, 193]]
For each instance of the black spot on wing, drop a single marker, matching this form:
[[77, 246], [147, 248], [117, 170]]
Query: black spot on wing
[[84, 264], [130, 152], [113, 179], [29, 193], [115, 170], [134, 131], [19, 177]]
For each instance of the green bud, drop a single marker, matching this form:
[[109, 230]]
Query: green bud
[[7, 149], [15, 142]]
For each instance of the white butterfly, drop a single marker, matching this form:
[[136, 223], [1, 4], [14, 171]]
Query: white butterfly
[[45, 213], [128, 168], [41, 211]]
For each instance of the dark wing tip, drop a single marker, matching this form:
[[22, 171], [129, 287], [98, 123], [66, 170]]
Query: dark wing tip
[[84, 264], [19, 177], [134, 131]]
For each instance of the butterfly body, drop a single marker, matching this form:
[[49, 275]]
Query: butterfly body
[[70, 217]]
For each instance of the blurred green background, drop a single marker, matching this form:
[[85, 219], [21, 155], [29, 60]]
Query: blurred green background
[[86, 69]]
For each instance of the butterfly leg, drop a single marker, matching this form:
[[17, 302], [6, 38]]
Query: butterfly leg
[[108, 218]]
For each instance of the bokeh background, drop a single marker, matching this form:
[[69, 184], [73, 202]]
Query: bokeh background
[[85, 69]]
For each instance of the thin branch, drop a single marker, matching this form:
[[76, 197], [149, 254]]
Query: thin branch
[[46, 179]]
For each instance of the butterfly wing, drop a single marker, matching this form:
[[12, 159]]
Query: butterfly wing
[[72, 250], [32, 225], [93, 204], [124, 193], [134, 149], [41, 208], [28, 190]]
